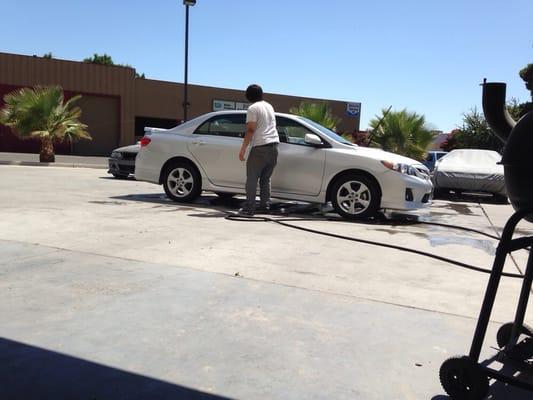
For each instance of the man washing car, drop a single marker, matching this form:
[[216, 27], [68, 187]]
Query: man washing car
[[262, 135]]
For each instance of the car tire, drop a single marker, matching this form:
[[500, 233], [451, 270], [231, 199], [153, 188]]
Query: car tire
[[439, 193], [355, 197], [500, 198], [182, 182]]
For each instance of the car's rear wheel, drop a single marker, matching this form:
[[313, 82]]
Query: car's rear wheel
[[355, 196], [182, 182]]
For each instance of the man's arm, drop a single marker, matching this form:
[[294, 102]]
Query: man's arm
[[250, 129]]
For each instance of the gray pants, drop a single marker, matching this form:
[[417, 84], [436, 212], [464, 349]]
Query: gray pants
[[260, 165]]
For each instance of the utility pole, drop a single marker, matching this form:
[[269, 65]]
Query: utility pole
[[187, 4]]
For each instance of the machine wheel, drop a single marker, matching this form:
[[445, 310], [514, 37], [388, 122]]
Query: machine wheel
[[355, 197], [463, 379], [182, 182], [504, 333]]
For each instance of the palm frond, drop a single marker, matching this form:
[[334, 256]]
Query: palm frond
[[42, 111], [317, 112], [402, 132]]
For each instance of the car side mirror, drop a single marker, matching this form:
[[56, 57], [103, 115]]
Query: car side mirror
[[313, 140]]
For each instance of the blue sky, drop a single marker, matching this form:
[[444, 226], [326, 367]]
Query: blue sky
[[426, 56]]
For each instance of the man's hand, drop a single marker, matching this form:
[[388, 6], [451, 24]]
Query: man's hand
[[250, 129]]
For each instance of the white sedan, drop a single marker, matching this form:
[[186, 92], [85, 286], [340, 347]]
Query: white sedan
[[314, 165]]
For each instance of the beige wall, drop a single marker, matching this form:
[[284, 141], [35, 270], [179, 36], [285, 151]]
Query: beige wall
[[115, 97], [164, 100], [77, 77]]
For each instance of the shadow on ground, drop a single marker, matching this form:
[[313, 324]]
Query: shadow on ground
[[29, 372], [467, 197], [212, 206]]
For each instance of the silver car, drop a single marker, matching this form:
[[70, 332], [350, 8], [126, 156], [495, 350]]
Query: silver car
[[314, 165], [471, 170], [122, 161]]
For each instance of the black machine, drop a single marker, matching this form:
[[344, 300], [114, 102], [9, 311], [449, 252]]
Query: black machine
[[466, 377]]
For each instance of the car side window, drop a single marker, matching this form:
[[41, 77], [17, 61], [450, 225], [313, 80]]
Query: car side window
[[224, 125], [291, 131]]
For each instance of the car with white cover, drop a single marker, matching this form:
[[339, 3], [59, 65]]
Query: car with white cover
[[314, 165], [470, 170]]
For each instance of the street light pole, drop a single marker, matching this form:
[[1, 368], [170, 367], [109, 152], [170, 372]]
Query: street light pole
[[187, 3]]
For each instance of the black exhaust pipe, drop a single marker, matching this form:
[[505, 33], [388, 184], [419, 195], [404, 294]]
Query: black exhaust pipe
[[495, 110], [518, 151]]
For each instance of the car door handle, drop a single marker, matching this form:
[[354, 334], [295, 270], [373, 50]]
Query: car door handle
[[198, 142]]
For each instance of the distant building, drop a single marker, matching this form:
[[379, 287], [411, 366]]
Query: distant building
[[439, 140], [117, 106]]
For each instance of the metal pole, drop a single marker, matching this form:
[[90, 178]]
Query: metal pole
[[185, 99]]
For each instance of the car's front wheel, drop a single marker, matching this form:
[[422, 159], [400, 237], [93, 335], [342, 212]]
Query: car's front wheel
[[182, 182], [355, 196]]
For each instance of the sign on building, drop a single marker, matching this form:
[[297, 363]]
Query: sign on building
[[220, 105], [353, 109]]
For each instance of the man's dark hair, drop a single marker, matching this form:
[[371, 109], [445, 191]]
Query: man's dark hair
[[254, 93]]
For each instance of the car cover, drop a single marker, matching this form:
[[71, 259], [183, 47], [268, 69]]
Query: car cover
[[470, 170]]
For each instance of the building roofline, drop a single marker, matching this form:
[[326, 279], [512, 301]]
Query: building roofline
[[55, 59]]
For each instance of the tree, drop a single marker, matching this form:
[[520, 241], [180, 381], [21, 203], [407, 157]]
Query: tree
[[48, 55], [526, 74], [106, 59], [402, 132], [42, 113], [317, 112], [103, 59], [475, 132]]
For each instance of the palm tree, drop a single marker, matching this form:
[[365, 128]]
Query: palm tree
[[402, 132], [42, 113], [318, 112]]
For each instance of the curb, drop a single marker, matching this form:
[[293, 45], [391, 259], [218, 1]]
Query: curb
[[54, 164]]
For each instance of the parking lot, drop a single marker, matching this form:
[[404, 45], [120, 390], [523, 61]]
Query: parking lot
[[110, 277]]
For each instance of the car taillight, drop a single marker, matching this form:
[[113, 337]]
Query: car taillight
[[145, 141]]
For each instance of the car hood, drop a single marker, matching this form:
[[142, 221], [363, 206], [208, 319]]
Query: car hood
[[133, 148], [471, 161], [381, 155]]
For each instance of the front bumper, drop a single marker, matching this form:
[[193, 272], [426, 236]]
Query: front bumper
[[405, 192], [475, 182], [121, 167]]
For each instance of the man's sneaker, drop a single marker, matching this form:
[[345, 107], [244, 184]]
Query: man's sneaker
[[264, 209], [245, 212]]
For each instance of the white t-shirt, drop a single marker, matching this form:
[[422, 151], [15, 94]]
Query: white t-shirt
[[262, 113]]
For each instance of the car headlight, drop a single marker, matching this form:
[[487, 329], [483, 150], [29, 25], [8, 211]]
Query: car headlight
[[400, 167], [116, 154]]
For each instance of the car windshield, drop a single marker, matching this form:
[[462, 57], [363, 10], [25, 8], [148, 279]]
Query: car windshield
[[327, 132]]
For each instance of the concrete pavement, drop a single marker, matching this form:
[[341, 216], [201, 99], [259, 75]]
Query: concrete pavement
[[112, 273]]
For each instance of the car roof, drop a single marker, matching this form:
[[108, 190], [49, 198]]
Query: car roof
[[213, 113]]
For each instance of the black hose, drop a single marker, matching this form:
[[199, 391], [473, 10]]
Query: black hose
[[235, 217]]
